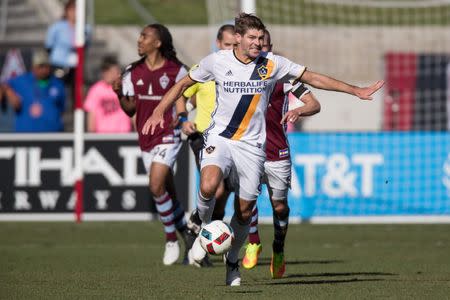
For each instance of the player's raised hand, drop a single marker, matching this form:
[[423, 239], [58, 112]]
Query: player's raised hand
[[366, 92], [156, 119], [291, 116]]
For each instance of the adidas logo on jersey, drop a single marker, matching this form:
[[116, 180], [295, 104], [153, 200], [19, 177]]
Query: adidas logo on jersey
[[140, 82], [229, 73]]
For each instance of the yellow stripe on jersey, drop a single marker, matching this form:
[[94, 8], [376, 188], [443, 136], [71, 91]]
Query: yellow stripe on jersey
[[248, 116]]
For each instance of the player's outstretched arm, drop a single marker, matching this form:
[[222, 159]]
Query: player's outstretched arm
[[324, 82], [157, 117], [311, 107]]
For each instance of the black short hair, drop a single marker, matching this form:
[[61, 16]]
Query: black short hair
[[245, 22], [223, 28], [108, 62]]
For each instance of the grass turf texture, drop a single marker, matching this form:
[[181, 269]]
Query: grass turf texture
[[124, 261]]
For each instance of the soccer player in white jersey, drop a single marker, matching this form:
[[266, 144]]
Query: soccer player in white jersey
[[234, 142]]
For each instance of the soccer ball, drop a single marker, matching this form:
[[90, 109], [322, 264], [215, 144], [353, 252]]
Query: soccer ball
[[216, 237]]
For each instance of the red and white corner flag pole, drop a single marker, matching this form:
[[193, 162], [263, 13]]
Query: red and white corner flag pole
[[79, 114]]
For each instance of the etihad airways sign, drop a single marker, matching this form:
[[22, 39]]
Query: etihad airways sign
[[38, 174]]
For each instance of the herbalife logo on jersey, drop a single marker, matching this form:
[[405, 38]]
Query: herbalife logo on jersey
[[164, 81], [250, 87]]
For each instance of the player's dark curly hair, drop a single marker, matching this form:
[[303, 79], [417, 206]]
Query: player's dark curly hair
[[166, 49], [245, 22]]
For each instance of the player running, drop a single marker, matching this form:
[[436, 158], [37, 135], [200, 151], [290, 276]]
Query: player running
[[277, 168], [143, 86], [203, 98], [234, 142]]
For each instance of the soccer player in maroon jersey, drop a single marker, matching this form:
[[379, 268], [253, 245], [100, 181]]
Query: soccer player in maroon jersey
[[143, 85], [277, 168]]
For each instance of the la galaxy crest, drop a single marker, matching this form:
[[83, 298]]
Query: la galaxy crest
[[263, 72], [210, 149]]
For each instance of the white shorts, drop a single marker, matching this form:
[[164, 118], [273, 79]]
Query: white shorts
[[165, 154], [242, 163], [277, 177]]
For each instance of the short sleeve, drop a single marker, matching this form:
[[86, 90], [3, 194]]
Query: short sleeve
[[127, 85], [287, 70], [299, 90], [204, 71]]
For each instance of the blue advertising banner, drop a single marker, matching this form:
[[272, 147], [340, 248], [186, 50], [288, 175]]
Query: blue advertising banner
[[367, 174]]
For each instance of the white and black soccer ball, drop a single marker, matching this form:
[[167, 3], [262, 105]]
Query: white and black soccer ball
[[216, 237]]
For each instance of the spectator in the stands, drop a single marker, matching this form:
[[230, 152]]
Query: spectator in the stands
[[102, 105], [60, 42], [37, 97]]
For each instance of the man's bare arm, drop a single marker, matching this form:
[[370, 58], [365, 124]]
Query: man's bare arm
[[157, 118], [324, 82], [311, 107]]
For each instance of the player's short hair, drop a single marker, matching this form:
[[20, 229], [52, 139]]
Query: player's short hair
[[245, 22], [108, 62], [227, 27]]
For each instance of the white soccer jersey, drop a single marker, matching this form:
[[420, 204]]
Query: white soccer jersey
[[243, 92]]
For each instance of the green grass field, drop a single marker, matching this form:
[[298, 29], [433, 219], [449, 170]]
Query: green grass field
[[123, 261]]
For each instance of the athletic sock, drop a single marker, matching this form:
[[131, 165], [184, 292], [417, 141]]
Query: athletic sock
[[280, 227], [179, 216], [253, 235], [205, 208], [164, 206], [240, 235]]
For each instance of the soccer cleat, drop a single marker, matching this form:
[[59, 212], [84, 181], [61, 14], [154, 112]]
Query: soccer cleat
[[206, 263], [194, 223], [277, 265], [192, 261], [196, 253], [252, 252], [171, 253], [233, 274], [188, 238]]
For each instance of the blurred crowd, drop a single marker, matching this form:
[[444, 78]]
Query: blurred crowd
[[42, 99]]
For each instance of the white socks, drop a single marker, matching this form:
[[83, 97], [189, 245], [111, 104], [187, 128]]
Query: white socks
[[205, 208]]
